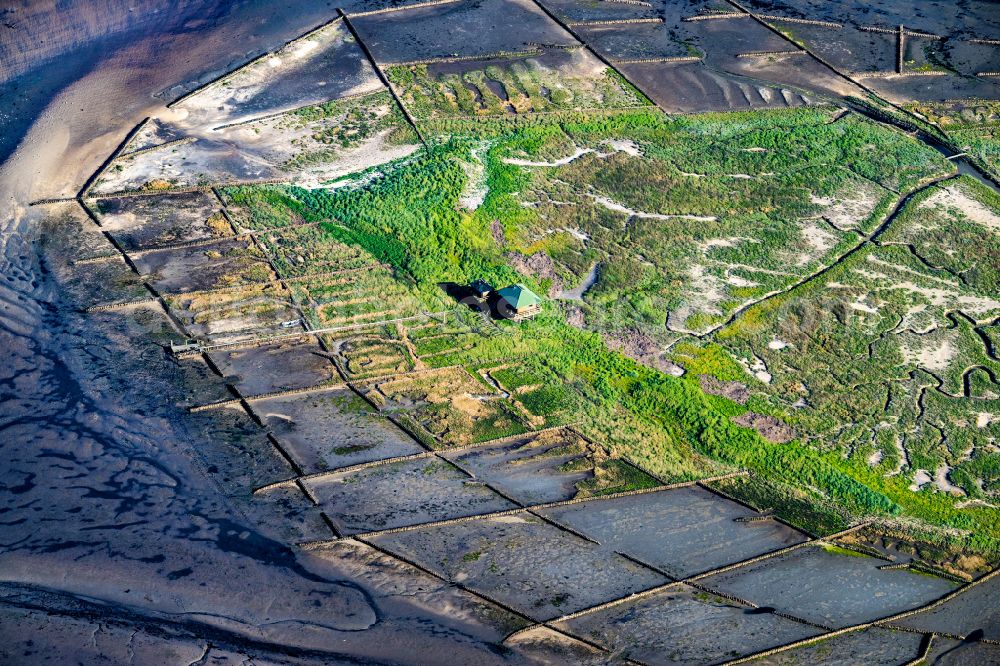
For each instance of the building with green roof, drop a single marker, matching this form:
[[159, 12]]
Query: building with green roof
[[518, 302]]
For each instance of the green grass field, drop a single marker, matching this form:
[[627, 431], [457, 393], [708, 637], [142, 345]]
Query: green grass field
[[692, 221]]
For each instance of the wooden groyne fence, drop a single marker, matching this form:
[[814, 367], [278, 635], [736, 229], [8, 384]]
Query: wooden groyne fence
[[160, 146], [404, 8], [610, 23], [494, 55], [660, 60], [764, 17], [636, 3], [768, 54]]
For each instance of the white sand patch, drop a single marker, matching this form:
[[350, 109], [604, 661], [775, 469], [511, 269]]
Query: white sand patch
[[732, 241], [777, 344], [303, 48], [859, 305], [278, 415], [619, 208], [849, 208], [475, 190], [708, 288], [755, 149], [738, 281], [626, 146], [818, 240], [954, 198], [920, 479], [579, 235], [943, 484], [354, 181], [576, 233], [616, 146], [704, 293], [935, 357], [983, 419], [509, 519], [758, 368], [875, 458], [562, 161]]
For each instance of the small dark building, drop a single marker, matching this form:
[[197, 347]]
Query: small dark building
[[481, 289]]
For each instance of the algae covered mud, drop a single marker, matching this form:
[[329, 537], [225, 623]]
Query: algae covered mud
[[251, 412]]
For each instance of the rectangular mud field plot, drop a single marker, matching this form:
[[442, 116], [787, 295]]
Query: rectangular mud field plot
[[149, 222], [445, 408], [830, 586], [228, 263], [689, 88], [200, 161], [279, 366], [323, 65], [554, 80], [316, 144], [332, 428], [871, 647], [458, 29], [401, 494], [847, 49], [402, 586], [974, 609], [524, 562], [236, 454], [550, 466], [644, 40], [683, 625], [372, 352], [288, 513], [683, 531], [237, 315], [725, 39], [729, 46], [110, 281], [935, 88], [433, 341], [540, 394], [352, 299]]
